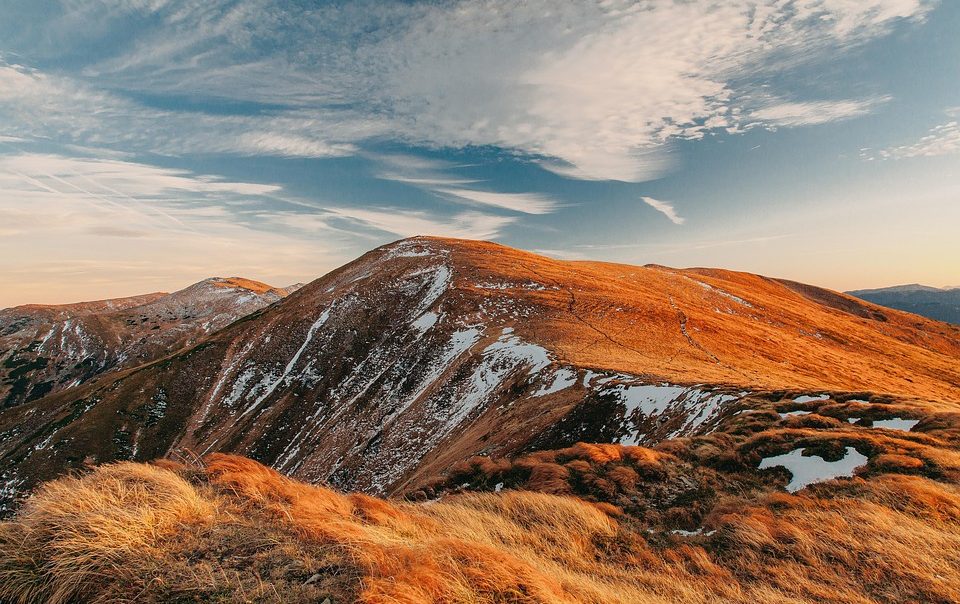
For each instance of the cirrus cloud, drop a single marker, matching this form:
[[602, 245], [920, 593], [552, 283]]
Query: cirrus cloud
[[590, 90]]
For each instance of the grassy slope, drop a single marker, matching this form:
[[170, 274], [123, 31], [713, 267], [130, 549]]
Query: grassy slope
[[593, 523], [716, 326]]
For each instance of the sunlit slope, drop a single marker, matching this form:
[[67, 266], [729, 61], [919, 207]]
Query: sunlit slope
[[717, 326]]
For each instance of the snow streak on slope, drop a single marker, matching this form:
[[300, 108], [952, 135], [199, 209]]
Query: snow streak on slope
[[293, 361], [562, 379], [694, 406], [498, 360]]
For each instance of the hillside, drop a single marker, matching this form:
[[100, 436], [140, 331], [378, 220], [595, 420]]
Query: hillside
[[931, 302], [48, 348], [386, 372], [692, 521]]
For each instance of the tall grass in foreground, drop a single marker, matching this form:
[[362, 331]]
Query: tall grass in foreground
[[236, 531]]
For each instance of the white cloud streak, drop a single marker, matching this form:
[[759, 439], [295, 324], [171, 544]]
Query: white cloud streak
[[665, 208], [433, 176], [527, 203], [943, 139], [814, 112], [112, 191], [409, 223]]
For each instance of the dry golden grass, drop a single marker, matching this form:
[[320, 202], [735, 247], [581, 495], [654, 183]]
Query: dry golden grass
[[75, 531], [236, 531]]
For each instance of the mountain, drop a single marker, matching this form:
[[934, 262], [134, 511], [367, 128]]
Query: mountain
[[388, 371], [931, 302], [900, 289], [548, 432], [48, 348]]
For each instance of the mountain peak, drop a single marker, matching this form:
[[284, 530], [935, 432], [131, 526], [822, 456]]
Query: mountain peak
[[46, 348], [257, 287]]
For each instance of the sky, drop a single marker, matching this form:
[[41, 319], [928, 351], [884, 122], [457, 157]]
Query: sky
[[148, 144]]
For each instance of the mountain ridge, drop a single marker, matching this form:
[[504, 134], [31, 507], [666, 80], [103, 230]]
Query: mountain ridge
[[942, 304], [427, 351]]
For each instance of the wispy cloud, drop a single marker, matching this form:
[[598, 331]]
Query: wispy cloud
[[435, 176], [527, 203], [408, 223], [664, 207], [812, 113], [943, 139], [111, 191], [418, 171], [290, 145], [76, 217], [558, 83], [37, 105]]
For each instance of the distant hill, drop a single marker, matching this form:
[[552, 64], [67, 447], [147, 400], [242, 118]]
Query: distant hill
[[931, 302], [49, 348]]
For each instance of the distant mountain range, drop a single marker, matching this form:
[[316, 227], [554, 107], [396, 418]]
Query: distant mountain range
[[942, 304]]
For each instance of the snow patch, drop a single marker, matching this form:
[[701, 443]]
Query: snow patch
[[424, 322], [809, 469], [793, 413], [696, 533], [811, 398], [239, 387], [409, 249], [896, 423], [562, 379], [529, 285], [460, 342], [652, 400], [293, 361], [441, 281], [498, 360], [723, 293]]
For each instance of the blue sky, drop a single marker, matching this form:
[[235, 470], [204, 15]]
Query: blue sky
[[146, 144]]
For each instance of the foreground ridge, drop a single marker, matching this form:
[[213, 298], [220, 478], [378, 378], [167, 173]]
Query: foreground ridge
[[232, 530]]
